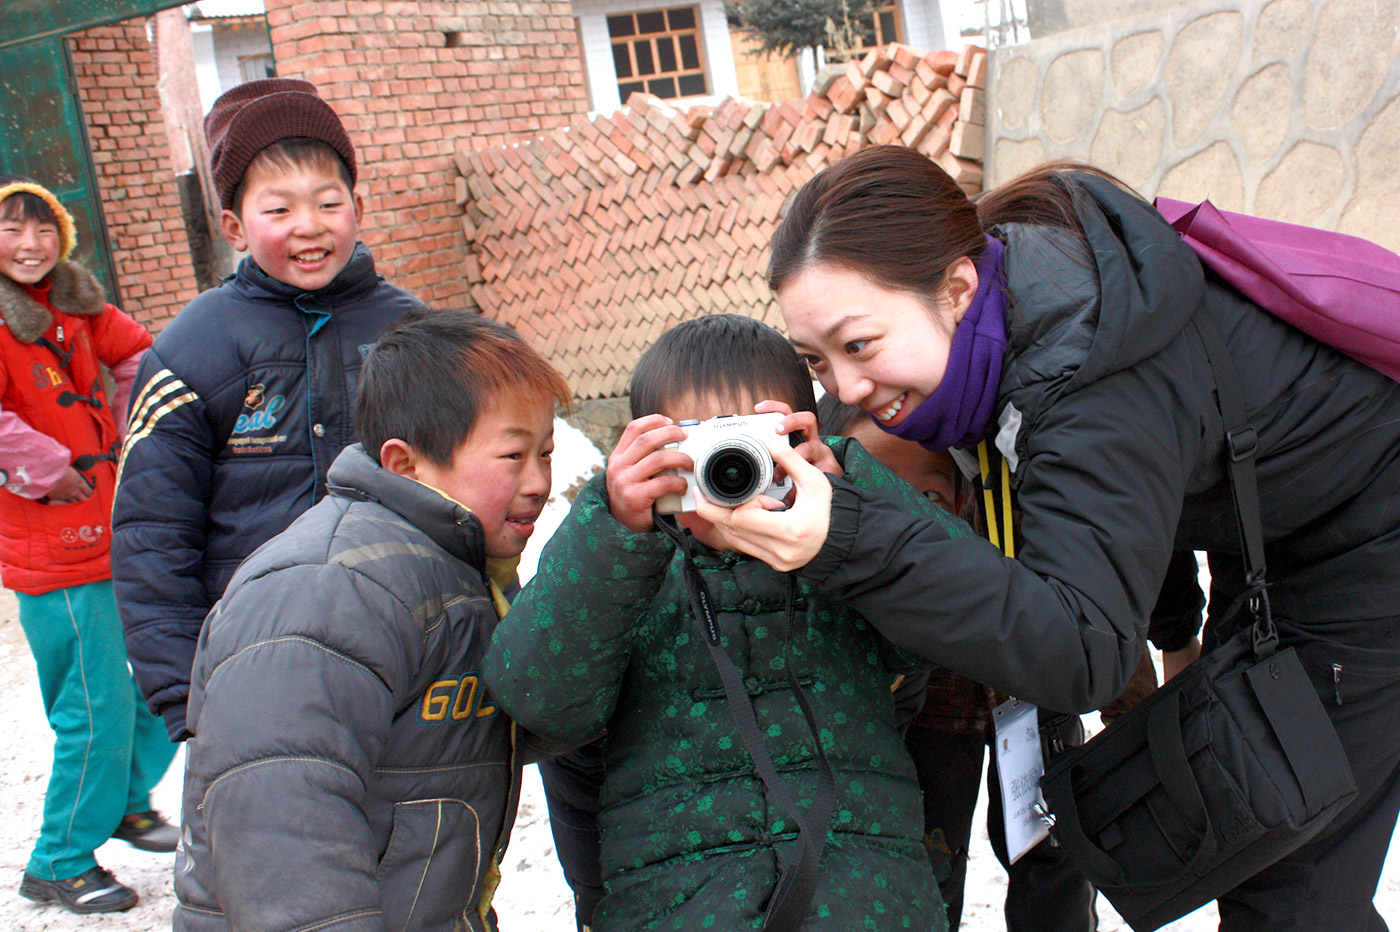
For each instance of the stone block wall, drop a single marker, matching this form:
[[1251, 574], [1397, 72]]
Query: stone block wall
[[115, 70], [413, 80], [594, 238], [1288, 109]]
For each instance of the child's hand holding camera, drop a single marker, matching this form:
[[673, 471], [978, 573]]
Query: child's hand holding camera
[[635, 468], [811, 448], [785, 540]]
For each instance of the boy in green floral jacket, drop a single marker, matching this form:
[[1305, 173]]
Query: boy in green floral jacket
[[703, 826]]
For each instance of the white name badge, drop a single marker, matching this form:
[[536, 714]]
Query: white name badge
[[1020, 765]]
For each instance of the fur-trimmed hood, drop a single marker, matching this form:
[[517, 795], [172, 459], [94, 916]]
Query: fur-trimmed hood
[[72, 289]]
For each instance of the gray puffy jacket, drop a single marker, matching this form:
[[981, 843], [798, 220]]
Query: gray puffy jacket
[[348, 770]]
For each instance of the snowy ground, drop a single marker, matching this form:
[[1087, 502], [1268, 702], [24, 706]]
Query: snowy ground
[[533, 896]]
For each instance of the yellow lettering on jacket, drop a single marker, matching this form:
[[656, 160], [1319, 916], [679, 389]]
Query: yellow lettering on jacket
[[460, 698], [435, 704]]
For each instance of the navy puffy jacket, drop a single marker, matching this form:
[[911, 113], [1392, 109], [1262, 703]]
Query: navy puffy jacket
[[239, 409]]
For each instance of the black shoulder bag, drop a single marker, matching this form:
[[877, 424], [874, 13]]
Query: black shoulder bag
[[1227, 768]]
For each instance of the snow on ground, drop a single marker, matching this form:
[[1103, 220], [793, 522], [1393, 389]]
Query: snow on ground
[[532, 897]]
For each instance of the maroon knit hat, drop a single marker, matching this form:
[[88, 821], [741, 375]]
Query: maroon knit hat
[[252, 116]]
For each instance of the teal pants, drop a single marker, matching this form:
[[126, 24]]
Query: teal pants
[[109, 751]]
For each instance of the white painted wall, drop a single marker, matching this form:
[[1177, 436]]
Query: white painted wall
[[206, 65], [231, 44], [926, 25], [217, 48], [597, 48]]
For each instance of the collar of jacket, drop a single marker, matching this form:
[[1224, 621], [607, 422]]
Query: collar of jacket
[[72, 289], [451, 526], [357, 276]]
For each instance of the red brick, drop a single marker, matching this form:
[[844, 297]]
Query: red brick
[[816, 108], [960, 170], [887, 83], [855, 75], [935, 141], [903, 55], [977, 71], [914, 132], [942, 61], [964, 60], [873, 61], [898, 114], [939, 104], [885, 132], [966, 141], [972, 106]]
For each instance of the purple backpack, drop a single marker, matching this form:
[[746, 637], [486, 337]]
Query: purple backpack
[[1341, 290]]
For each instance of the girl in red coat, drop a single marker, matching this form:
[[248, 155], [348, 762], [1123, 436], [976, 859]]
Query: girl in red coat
[[59, 442]]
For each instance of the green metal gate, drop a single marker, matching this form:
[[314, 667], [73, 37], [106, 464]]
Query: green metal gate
[[42, 135]]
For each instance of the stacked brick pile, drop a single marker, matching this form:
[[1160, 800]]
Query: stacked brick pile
[[594, 238]]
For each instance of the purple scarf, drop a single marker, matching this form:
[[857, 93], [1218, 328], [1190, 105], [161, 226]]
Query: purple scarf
[[957, 412]]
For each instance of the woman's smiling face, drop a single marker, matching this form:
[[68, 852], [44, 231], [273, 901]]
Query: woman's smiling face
[[884, 351]]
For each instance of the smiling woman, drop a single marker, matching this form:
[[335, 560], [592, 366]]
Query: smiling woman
[[871, 346], [1053, 326]]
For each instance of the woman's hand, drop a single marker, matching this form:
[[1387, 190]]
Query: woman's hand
[[1173, 662], [785, 540], [71, 487], [635, 468], [811, 448]]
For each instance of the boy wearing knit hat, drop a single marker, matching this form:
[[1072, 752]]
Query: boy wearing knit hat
[[59, 435], [246, 397]]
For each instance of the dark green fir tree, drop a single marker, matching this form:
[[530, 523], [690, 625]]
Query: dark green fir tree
[[789, 26]]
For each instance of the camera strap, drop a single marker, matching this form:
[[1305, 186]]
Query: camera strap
[[797, 879]]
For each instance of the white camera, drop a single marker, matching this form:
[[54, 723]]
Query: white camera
[[732, 463]]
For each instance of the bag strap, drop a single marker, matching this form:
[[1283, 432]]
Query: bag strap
[[1165, 742], [797, 880], [1241, 442]]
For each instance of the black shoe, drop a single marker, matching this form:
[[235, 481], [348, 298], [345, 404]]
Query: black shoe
[[94, 891], [148, 831]]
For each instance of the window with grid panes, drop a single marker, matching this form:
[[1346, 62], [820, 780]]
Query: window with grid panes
[[658, 52], [884, 26]]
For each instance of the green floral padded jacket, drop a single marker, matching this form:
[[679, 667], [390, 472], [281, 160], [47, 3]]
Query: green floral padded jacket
[[603, 640]]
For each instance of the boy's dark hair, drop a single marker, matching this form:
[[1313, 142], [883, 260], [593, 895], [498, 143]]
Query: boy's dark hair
[[835, 416], [22, 205], [721, 356], [290, 154], [434, 372]]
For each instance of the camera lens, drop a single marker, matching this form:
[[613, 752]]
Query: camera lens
[[731, 476]]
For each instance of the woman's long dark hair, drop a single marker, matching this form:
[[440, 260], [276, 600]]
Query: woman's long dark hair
[[894, 216]]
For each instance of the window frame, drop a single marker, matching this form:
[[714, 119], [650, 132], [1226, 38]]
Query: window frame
[[627, 43], [880, 41]]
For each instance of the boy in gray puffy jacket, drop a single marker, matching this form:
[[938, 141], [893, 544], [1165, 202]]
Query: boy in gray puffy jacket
[[348, 771]]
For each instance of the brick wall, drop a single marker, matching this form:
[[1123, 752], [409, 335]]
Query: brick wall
[[115, 69], [414, 80], [594, 238]]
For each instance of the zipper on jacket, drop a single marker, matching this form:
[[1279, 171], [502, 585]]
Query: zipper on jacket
[[1337, 682]]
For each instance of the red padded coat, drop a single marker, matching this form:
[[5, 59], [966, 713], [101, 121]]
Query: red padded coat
[[54, 337]]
